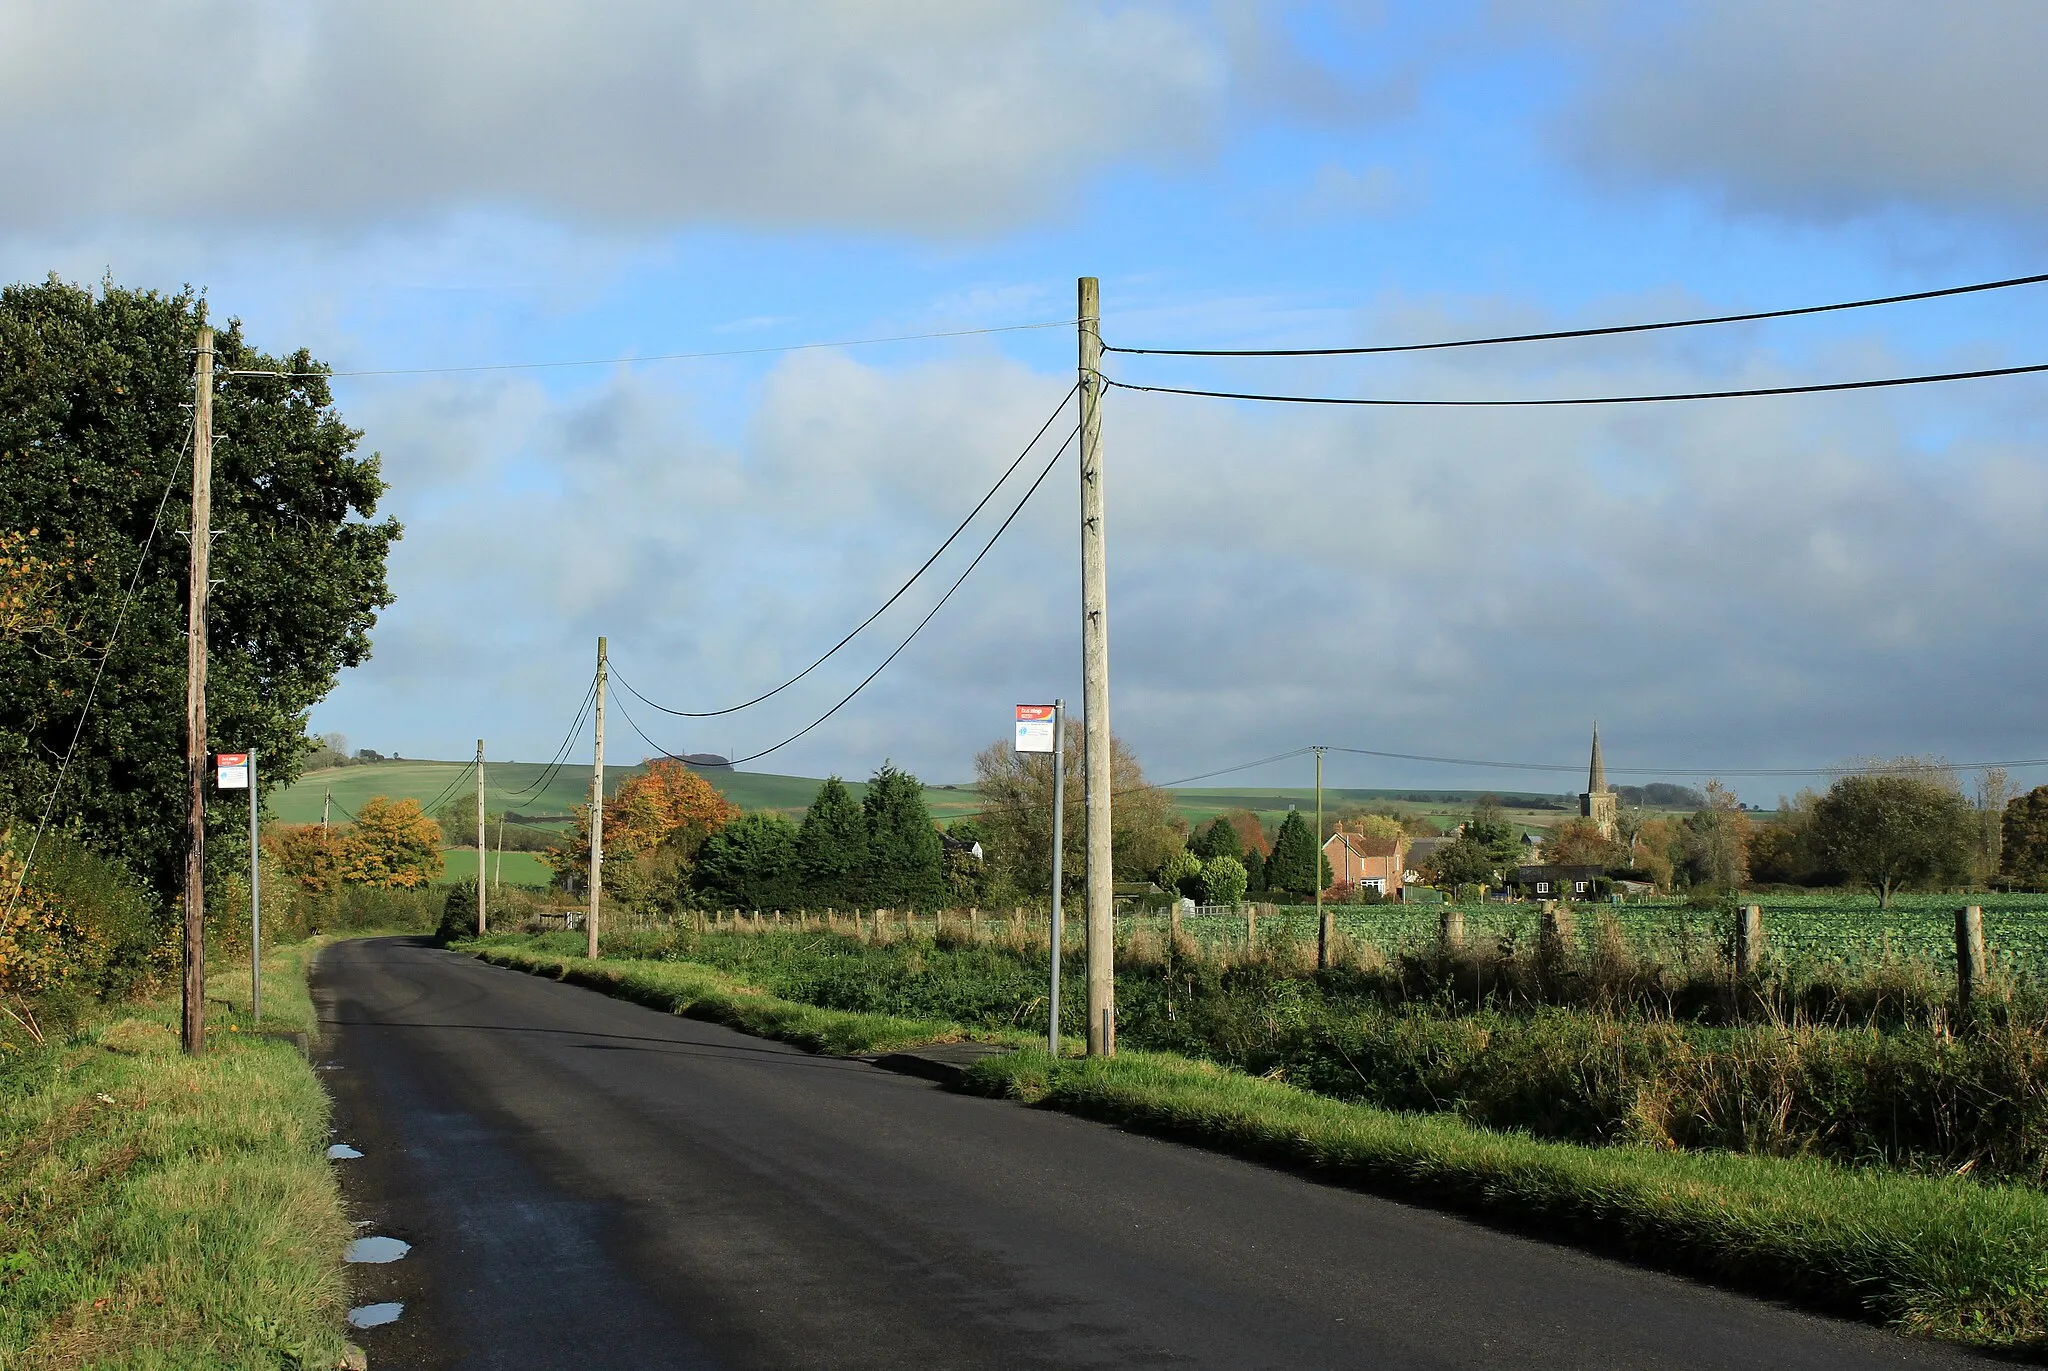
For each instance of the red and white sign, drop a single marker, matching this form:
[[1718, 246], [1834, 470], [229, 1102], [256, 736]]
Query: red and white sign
[[1034, 728], [231, 770]]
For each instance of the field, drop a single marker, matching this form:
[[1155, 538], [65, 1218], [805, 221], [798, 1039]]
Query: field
[[508, 868], [510, 786]]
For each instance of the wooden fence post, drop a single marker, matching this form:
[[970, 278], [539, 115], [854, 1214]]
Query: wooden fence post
[[1450, 930], [1969, 953], [1251, 927], [1749, 939]]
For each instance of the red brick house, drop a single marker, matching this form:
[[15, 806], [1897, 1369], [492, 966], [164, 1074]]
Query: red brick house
[[1357, 859]]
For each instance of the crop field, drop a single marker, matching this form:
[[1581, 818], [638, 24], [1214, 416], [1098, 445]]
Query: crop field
[[1810, 931]]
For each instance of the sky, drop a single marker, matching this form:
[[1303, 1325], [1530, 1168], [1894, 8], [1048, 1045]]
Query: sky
[[1726, 586]]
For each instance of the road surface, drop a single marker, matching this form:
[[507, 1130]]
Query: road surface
[[590, 1184]]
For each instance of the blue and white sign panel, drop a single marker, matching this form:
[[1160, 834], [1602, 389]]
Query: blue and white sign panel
[[1034, 728]]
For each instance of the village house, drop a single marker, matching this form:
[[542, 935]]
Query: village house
[[1359, 860]]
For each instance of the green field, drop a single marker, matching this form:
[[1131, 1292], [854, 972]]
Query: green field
[[508, 868], [511, 786]]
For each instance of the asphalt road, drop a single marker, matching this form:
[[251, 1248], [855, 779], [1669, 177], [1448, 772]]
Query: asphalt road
[[591, 1184]]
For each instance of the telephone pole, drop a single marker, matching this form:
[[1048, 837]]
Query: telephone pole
[[326, 802], [201, 539], [1324, 921], [1096, 778], [596, 815], [481, 851]]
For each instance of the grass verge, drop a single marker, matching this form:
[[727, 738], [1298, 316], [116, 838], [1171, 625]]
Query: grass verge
[[1948, 1258], [700, 992], [159, 1212]]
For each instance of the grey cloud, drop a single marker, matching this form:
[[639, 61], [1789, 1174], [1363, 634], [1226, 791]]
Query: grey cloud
[[1824, 108], [913, 115]]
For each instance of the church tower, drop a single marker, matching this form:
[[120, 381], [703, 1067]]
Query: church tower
[[1599, 803]]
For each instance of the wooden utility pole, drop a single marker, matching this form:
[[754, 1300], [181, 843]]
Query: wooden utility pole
[[1324, 921], [596, 816], [1096, 776], [481, 850], [201, 539], [326, 802]]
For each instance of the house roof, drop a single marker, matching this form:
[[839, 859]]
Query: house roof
[[1363, 845]]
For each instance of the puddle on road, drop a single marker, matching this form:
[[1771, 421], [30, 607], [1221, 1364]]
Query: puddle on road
[[376, 1250], [341, 1152], [374, 1315]]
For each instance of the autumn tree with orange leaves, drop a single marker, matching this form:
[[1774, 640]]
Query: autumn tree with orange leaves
[[653, 825]]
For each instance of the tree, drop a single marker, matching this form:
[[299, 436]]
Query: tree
[[1181, 874], [1714, 843], [1893, 831], [94, 396], [906, 865], [1293, 867], [1223, 879], [1491, 828], [1578, 842], [1995, 791], [1217, 838], [750, 863], [1016, 792], [832, 848], [1463, 861], [1254, 872], [969, 879], [306, 853], [392, 843], [654, 823], [2023, 856]]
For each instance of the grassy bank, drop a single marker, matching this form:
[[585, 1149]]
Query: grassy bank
[[1944, 1258], [1950, 1258], [163, 1212]]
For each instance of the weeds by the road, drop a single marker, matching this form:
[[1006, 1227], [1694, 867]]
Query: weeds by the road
[[163, 1213], [1944, 1258]]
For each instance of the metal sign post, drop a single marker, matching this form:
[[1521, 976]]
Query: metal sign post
[[1042, 728], [237, 771]]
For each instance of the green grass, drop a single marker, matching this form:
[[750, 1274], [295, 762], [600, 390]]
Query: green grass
[[163, 1213], [504, 783], [1944, 1258], [1941, 1257], [508, 868]]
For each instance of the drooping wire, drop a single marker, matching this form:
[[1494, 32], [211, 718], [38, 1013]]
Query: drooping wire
[[900, 590], [1606, 332], [99, 674], [662, 356], [450, 789], [559, 760], [1817, 389], [912, 635]]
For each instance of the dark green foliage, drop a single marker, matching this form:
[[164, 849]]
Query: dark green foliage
[[833, 848], [1254, 873], [1895, 832], [905, 867], [93, 396], [1217, 838], [458, 914], [1293, 866], [1466, 860], [751, 863], [2023, 859]]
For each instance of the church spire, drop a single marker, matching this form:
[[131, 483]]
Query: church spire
[[1596, 775]]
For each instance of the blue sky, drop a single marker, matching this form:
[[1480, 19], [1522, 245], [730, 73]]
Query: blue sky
[[1772, 583]]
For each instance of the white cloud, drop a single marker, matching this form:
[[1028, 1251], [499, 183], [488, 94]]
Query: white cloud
[[918, 115]]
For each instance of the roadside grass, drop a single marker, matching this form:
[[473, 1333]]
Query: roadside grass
[[160, 1213], [701, 992], [1943, 1257]]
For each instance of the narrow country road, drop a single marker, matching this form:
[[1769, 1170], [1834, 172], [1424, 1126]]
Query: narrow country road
[[590, 1184]]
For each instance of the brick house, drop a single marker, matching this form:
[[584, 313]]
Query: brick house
[[1359, 860]]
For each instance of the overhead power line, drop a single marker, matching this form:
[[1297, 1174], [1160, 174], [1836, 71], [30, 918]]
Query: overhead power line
[[555, 764], [1670, 770], [1605, 332], [908, 638], [1821, 388], [900, 590], [652, 357]]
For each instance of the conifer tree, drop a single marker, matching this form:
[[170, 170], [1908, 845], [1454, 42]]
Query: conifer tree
[[833, 847], [906, 865], [1293, 866]]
